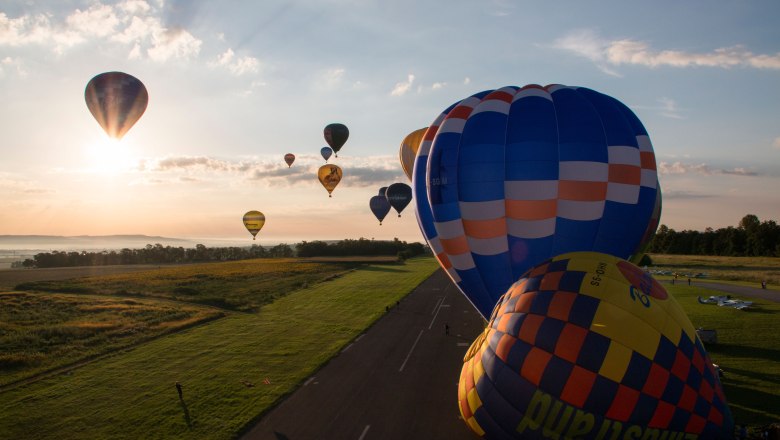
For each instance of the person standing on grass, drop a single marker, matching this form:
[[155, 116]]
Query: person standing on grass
[[178, 389]]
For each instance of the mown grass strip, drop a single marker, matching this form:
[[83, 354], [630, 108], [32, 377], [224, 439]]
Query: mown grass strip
[[221, 365]]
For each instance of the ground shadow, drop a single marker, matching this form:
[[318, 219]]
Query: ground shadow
[[383, 268], [186, 412], [743, 351], [280, 436]]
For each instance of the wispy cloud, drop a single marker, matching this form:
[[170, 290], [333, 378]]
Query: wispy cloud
[[403, 87], [134, 24], [606, 53], [362, 172], [682, 168], [236, 65], [669, 108], [683, 194], [17, 185]]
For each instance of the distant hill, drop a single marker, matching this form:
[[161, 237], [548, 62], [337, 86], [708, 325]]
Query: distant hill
[[87, 241]]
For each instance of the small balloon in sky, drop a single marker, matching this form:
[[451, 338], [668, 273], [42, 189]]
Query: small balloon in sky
[[326, 152], [383, 191], [336, 135], [289, 158], [254, 221], [116, 100], [380, 207], [399, 195], [330, 176]]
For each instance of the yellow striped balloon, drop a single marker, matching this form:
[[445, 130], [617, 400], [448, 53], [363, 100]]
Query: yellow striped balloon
[[408, 150], [254, 221]]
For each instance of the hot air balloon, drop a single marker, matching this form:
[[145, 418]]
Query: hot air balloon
[[289, 158], [588, 346], [651, 228], [330, 176], [517, 175], [116, 100], [399, 195], [380, 207], [326, 153], [383, 191], [336, 135], [254, 221], [408, 150]]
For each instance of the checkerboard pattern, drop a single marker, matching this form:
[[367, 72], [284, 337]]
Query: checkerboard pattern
[[594, 348]]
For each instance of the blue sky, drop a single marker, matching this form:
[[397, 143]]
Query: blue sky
[[235, 85]]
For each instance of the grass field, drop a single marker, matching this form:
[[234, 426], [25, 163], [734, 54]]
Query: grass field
[[236, 285], [748, 350], [748, 270], [222, 366], [40, 332], [223, 363]]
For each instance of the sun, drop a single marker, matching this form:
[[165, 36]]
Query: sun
[[109, 156]]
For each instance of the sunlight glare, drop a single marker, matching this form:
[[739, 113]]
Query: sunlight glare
[[109, 156]]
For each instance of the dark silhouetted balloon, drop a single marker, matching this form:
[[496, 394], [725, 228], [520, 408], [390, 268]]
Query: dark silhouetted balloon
[[326, 152], [336, 135], [289, 158], [380, 207], [116, 100], [399, 195], [383, 191]]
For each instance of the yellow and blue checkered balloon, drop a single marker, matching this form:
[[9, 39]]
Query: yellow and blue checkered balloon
[[588, 346]]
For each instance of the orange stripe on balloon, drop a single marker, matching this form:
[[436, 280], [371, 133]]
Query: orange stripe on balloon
[[504, 345], [628, 174], [500, 96], [647, 159], [485, 228], [455, 246], [444, 260], [582, 191], [531, 209], [460, 112]]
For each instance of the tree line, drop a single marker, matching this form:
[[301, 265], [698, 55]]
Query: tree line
[[750, 238], [159, 254]]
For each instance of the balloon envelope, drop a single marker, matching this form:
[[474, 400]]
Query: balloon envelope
[[383, 191], [399, 195], [380, 207], [326, 152], [116, 100], [595, 344], [254, 221], [408, 150], [517, 175], [336, 135], [330, 176], [289, 158]]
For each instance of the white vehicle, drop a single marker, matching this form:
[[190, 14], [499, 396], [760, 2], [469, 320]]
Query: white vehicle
[[726, 301]]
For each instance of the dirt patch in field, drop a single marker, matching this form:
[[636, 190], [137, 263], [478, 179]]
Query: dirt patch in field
[[11, 277]]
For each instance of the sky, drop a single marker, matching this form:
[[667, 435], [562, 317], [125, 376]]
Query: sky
[[235, 85]]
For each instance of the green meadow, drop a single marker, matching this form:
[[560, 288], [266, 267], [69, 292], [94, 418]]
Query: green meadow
[[238, 358], [232, 369]]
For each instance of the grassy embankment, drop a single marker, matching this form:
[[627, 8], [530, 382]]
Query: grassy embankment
[[222, 365]]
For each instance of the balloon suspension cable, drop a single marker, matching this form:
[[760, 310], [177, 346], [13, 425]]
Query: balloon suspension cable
[[253, 238]]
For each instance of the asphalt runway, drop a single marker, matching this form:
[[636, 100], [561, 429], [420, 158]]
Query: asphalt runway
[[396, 381]]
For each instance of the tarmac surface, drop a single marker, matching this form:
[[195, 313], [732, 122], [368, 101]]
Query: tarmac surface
[[398, 380], [753, 292]]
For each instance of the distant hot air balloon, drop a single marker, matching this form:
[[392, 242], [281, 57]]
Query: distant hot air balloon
[[589, 346], [326, 152], [330, 176], [380, 207], [408, 150], [507, 178], [116, 100], [383, 191], [289, 158], [336, 135], [399, 195], [254, 221]]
